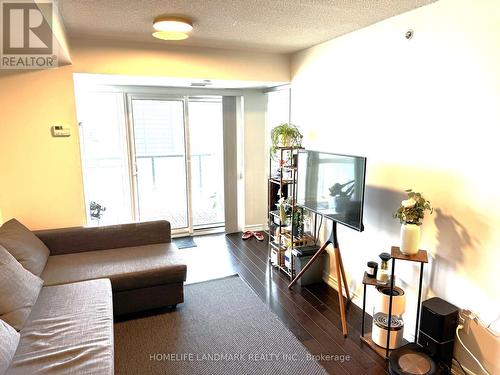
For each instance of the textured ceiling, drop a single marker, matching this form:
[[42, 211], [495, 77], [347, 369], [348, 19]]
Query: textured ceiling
[[282, 26]]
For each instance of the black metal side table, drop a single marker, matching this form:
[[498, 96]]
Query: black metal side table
[[420, 257]]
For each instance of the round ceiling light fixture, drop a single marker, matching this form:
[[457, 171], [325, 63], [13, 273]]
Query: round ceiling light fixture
[[172, 23], [172, 27], [170, 35]]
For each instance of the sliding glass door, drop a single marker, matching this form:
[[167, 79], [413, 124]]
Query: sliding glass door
[[152, 157], [159, 160], [207, 161]]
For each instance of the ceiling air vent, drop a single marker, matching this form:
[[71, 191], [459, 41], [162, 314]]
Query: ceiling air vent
[[204, 83]]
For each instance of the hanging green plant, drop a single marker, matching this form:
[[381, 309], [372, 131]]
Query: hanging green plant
[[285, 135]]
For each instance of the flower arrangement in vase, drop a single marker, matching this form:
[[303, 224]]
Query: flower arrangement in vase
[[411, 216]]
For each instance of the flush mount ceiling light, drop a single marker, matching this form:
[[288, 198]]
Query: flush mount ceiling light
[[172, 27], [170, 35]]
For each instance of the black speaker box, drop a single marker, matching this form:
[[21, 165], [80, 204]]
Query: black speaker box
[[437, 329]]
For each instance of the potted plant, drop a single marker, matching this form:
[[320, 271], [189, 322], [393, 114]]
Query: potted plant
[[285, 135], [96, 211], [411, 215], [284, 207], [298, 222]]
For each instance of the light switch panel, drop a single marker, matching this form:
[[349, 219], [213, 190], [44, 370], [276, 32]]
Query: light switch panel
[[60, 131]]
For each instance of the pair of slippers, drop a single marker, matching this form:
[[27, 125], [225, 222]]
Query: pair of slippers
[[249, 234]]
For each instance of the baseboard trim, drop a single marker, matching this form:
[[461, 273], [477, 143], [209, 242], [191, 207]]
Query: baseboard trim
[[255, 227], [332, 281]]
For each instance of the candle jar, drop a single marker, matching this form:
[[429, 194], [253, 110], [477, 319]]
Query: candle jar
[[371, 269]]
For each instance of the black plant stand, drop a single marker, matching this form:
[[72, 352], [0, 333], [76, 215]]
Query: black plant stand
[[420, 257]]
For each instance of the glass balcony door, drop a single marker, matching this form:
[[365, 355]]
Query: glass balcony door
[[159, 163], [177, 160], [152, 157], [207, 161]]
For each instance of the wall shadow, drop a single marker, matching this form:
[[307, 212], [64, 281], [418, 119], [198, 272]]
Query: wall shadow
[[453, 239], [380, 204]]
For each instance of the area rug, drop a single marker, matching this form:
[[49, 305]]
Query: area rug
[[184, 242], [221, 328]]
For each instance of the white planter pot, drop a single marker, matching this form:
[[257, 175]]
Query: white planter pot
[[410, 238]]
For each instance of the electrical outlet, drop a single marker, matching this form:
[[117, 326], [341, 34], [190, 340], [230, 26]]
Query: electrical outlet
[[465, 318], [467, 326]]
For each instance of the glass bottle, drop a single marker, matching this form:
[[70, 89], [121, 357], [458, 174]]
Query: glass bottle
[[383, 273]]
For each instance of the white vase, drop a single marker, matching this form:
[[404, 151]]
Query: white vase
[[410, 238]]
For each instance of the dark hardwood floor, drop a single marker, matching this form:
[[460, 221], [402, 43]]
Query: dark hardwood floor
[[311, 313]]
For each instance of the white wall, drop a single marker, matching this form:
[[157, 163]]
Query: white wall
[[426, 113]]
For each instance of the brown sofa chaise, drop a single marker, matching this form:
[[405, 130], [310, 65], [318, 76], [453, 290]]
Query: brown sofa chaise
[[137, 258]]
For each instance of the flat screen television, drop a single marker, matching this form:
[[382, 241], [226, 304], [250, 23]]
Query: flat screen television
[[332, 185]]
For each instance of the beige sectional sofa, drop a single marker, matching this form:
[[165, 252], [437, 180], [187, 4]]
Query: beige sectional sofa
[[69, 331], [90, 275], [138, 258]]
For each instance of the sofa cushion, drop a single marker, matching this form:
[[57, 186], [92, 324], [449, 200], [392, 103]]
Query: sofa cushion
[[19, 290], [78, 239], [127, 268], [24, 246], [9, 339], [70, 331]]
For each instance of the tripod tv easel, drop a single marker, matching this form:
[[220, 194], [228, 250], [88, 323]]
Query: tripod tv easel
[[339, 266]]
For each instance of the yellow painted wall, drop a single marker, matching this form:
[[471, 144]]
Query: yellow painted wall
[[426, 113], [142, 59], [40, 176]]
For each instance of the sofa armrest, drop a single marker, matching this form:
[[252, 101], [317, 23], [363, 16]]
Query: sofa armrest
[[80, 239]]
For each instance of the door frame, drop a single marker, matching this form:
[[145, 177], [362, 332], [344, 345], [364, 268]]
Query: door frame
[[233, 123], [208, 228]]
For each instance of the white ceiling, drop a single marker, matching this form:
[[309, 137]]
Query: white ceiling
[[282, 26]]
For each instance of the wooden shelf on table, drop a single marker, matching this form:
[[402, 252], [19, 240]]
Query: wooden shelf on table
[[367, 339], [304, 240], [420, 257], [277, 214], [373, 281], [277, 247], [277, 181]]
